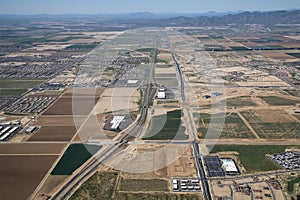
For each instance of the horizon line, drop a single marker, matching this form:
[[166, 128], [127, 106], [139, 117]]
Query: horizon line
[[134, 12]]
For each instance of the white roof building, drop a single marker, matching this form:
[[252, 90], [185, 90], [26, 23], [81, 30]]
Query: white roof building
[[229, 165], [132, 81], [161, 95], [116, 122]]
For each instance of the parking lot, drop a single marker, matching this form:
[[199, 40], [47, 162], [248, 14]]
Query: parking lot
[[288, 160]]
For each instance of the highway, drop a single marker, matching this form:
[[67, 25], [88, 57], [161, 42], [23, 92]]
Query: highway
[[71, 185], [198, 158]]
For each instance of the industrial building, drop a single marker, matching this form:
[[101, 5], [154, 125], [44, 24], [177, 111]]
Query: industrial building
[[185, 185], [7, 132], [113, 123], [230, 166], [221, 166], [30, 129], [161, 94]]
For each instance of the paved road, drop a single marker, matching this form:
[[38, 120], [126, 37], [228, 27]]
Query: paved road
[[198, 157]]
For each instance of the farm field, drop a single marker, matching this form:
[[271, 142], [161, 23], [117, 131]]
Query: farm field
[[83, 92], [19, 83], [12, 92], [166, 127], [79, 101], [273, 124], [15, 181], [64, 106], [59, 120], [54, 133], [74, 157], [252, 157], [233, 127], [240, 102], [31, 148], [278, 101], [292, 184]]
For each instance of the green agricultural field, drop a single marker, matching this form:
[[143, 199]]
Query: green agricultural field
[[74, 157], [100, 186], [233, 126], [86, 46], [278, 101], [291, 184], [163, 66], [156, 196], [253, 157], [296, 55], [145, 50], [216, 37], [161, 61], [14, 92], [68, 38], [19, 83], [240, 102], [166, 127], [295, 93], [143, 185]]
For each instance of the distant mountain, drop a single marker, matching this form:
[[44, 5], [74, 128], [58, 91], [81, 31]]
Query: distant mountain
[[267, 18], [143, 19]]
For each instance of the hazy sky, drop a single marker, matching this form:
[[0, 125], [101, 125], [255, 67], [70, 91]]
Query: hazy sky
[[122, 6]]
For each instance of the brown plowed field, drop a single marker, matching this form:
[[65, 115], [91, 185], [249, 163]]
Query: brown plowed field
[[59, 120], [83, 92], [31, 148], [54, 133], [20, 175], [64, 106]]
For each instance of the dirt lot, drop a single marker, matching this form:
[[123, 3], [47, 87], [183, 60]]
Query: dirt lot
[[158, 161], [20, 175], [118, 99], [54, 133], [31, 148], [51, 184]]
